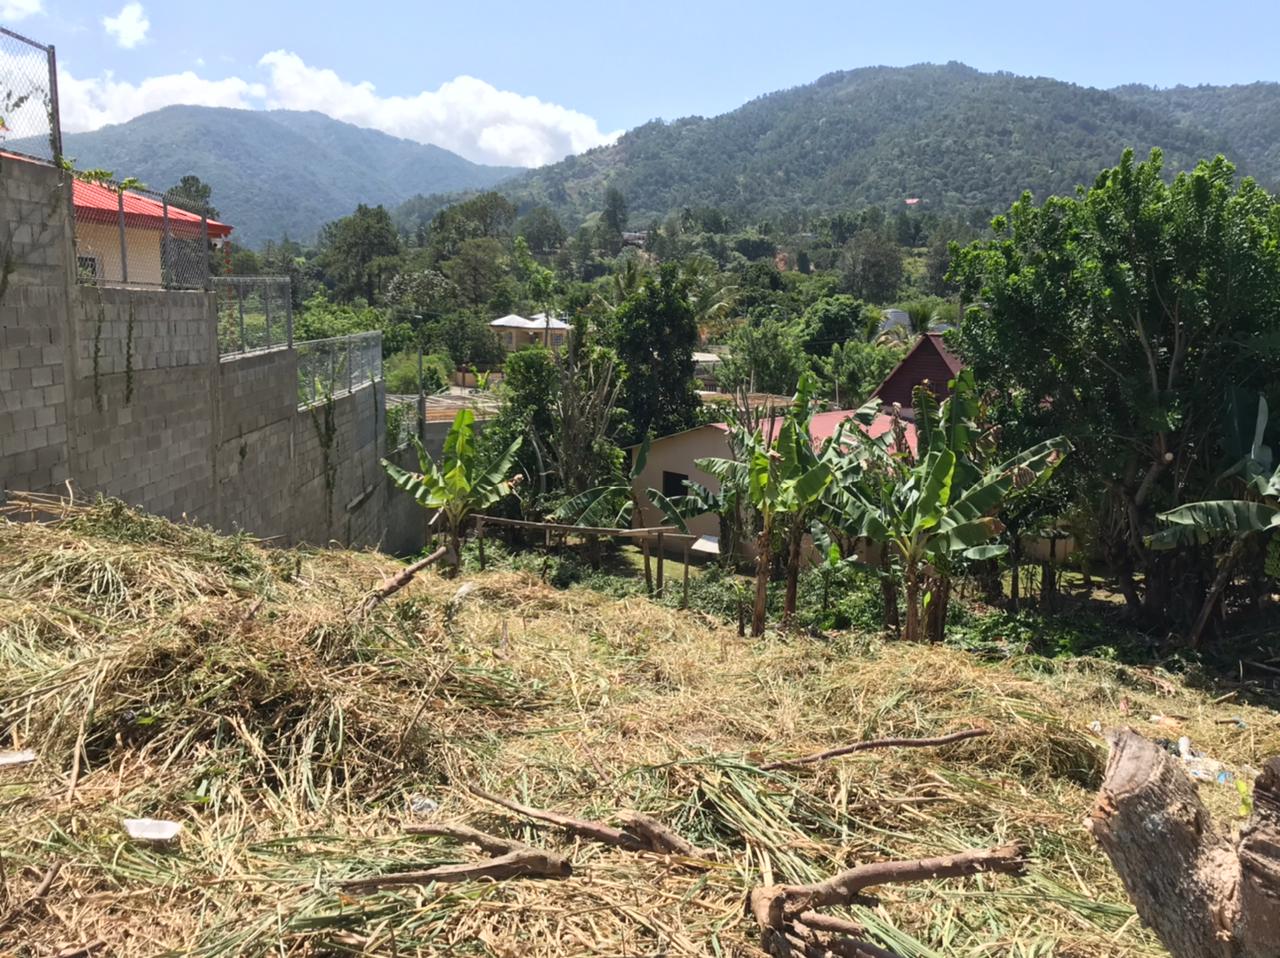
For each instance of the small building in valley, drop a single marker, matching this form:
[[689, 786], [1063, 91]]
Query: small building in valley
[[517, 332]]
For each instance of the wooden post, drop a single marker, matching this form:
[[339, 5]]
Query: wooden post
[[684, 602], [659, 563], [480, 540], [648, 571]]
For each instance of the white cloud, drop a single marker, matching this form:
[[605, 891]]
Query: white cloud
[[465, 115], [129, 26], [14, 10], [99, 101]]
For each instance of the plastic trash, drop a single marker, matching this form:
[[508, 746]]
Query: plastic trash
[[423, 806], [20, 757], [152, 829]]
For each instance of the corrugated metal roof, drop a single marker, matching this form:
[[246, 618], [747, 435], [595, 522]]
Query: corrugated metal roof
[[97, 203]]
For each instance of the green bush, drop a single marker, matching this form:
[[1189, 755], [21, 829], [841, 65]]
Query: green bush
[[401, 373]]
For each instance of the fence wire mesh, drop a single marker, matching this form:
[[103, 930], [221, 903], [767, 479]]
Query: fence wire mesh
[[254, 312], [129, 235], [334, 367], [28, 98]]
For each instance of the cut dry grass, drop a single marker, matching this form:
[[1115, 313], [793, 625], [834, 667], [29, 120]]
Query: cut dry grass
[[167, 672]]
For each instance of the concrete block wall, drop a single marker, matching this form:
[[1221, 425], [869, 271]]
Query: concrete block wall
[[122, 391], [35, 247]]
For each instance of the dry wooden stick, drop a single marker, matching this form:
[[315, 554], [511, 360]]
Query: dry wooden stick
[[493, 844], [658, 837], [394, 583], [41, 890], [598, 831], [777, 908], [878, 743], [814, 940], [527, 863]]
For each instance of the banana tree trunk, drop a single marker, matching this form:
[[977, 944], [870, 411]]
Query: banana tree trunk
[[913, 602], [763, 562], [939, 601], [795, 539], [1215, 591]]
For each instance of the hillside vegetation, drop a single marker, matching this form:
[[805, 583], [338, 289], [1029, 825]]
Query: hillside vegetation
[[278, 172], [954, 137], [164, 671]]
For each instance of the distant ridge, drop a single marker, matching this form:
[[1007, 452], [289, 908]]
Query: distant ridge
[[279, 171]]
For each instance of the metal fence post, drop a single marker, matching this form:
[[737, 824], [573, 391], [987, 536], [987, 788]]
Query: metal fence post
[[240, 302], [288, 313], [422, 401], [333, 368], [166, 278], [351, 369], [203, 274], [266, 309], [124, 254], [55, 116]]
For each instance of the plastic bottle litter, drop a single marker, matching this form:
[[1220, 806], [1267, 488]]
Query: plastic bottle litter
[[423, 806], [152, 829], [20, 757]]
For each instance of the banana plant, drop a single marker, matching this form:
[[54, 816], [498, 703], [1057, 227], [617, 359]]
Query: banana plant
[[932, 511], [610, 505], [1236, 520], [459, 485]]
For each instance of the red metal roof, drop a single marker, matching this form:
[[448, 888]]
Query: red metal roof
[[97, 203], [824, 425], [929, 360]]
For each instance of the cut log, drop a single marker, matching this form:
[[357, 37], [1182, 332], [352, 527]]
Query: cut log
[[1203, 894], [878, 743], [529, 863], [658, 837]]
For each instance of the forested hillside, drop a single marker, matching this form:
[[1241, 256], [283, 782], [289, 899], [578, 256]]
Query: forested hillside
[[1246, 118], [958, 139], [278, 172]]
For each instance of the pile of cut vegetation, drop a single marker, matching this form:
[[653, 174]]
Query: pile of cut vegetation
[[156, 671]]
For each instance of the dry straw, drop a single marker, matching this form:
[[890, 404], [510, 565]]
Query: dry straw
[[163, 671]]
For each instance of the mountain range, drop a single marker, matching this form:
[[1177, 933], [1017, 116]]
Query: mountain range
[[276, 172], [956, 139], [948, 135]]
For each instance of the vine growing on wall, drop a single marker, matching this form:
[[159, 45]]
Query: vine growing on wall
[[97, 355], [128, 359], [324, 419]]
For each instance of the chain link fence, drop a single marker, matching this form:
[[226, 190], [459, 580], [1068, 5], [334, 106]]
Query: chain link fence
[[129, 235], [28, 98], [254, 312], [334, 367]]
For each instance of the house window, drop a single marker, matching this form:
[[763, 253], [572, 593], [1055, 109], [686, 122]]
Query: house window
[[673, 484], [87, 268]]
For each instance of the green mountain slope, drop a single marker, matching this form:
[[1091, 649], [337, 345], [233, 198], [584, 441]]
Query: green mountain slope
[[276, 172], [956, 138], [1246, 117]]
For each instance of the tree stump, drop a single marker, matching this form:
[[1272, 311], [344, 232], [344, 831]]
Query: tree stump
[[1204, 893]]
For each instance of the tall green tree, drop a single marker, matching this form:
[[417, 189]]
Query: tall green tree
[[654, 334], [358, 253], [193, 195], [872, 266], [1121, 318]]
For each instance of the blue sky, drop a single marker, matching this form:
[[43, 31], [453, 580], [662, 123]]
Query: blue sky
[[529, 82]]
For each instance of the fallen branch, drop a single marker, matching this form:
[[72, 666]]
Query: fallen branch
[[597, 831], [493, 844], [41, 890], [394, 583], [786, 913], [659, 838], [81, 951], [1204, 894], [878, 743], [527, 863], [639, 834]]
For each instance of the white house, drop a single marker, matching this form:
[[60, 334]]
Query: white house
[[517, 332]]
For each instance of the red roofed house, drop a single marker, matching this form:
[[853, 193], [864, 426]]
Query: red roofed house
[[98, 251], [671, 461], [928, 361]]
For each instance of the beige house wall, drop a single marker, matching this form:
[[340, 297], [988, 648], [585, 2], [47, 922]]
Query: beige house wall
[[677, 454], [513, 339], [102, 242]]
